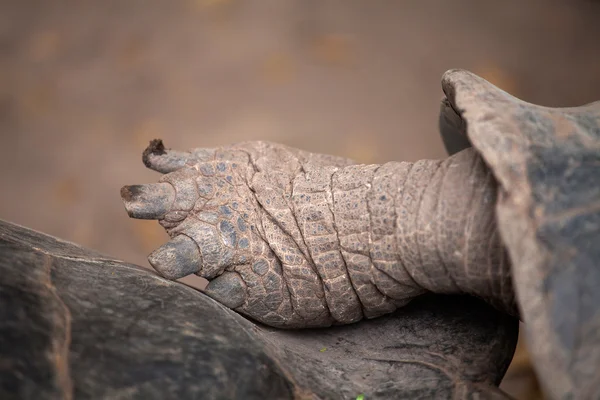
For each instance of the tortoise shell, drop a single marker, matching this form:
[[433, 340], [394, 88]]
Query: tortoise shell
[[547, 165]]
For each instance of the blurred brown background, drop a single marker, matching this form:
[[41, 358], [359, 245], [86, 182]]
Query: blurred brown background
[[84, 85]]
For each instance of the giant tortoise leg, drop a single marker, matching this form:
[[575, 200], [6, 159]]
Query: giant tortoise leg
[[76, 324]]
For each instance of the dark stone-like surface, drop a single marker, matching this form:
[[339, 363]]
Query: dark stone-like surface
[[547, 163], [76, 323], [132, 334]]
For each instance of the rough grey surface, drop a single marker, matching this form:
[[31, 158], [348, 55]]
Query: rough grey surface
[[99, 328], [436, 347], [547, 163], [316, 241], [76, 324]]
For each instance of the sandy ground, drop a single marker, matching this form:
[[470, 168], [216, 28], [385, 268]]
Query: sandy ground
[[85, 85]]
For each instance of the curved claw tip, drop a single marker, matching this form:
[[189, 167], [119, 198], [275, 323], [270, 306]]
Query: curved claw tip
[[163, 160], [177, 258], [151, 201], [156, 147], [228, 289]]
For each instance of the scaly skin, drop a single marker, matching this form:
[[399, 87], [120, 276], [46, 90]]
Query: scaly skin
[[296, 240]]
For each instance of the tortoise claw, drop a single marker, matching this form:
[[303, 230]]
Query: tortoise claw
[[150, 201], [228, 289], [177, 258], [160, 159]]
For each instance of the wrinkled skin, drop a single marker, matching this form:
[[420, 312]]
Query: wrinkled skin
[[295, 240]]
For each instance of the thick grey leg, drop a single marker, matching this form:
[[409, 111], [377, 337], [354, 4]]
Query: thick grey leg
[[299, 240]]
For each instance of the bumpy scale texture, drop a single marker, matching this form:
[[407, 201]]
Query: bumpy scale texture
[[296, 240]]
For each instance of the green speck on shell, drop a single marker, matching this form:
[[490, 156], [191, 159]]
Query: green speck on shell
[[323, 350], [360, 397]]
